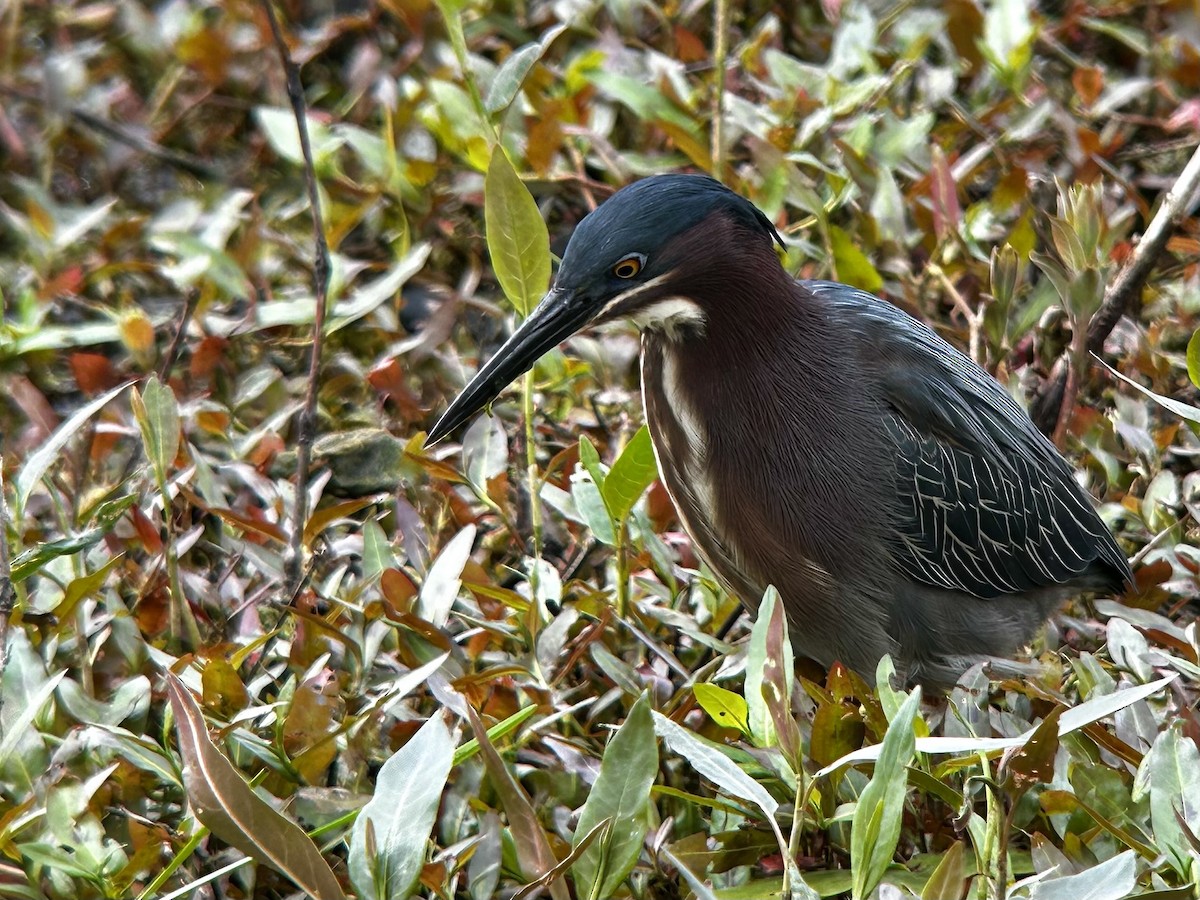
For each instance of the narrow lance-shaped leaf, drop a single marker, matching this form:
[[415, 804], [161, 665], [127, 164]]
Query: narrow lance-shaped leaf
[[714, 765], [36, 465], [1071, 720], [777, 679], [444, 579], [157, 413], [1113, 879], [621, 794], [875, 831], [230, 809], [587, 489], [401, 815], [512, 72], [762, 725], [1193, 358], [517, 238], [529, 838]]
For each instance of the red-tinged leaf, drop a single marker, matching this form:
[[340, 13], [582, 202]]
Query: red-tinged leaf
[[398, 590], [1186, 116], [949, 879], [252, 523], [146, 530], [206, 356], [688, 47], [943, 192], [326, 516], [1033, 762], [230, 809], [1088, 82], [777, 683], [93, 372]]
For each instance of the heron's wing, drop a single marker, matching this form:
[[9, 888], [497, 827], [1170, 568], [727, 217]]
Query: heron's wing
[[986, 503]]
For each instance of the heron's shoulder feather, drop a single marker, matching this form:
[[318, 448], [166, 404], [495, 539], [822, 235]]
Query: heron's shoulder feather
[[986, 502]]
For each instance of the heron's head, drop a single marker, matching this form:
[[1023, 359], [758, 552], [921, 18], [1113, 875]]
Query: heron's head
[[655, 252]]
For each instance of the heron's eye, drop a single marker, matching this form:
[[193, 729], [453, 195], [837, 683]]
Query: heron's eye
[[628, 267]]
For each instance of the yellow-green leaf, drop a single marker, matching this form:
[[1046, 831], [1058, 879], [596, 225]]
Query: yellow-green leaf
[[1193, 358], [723, 707], [517, 238], [630, 475], [852, 264]]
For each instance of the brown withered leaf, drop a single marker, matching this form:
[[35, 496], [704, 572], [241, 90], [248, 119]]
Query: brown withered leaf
[[231, 810], [533, 848], [1033, 762]]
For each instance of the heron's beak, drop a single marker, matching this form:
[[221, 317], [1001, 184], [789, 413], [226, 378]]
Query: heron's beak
[[561, 313]]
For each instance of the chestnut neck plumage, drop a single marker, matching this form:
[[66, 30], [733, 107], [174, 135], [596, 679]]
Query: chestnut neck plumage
[[769, 367]]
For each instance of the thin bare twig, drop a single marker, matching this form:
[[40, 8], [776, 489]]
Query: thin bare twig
[[720, 53], [307, 426], [190, 301], [1125, 288], [186, 162], [7, 592]]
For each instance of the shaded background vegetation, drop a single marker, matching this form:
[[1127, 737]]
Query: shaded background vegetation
[[154, 219]]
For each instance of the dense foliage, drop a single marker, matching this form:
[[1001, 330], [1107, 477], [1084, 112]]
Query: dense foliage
[[505, 647]]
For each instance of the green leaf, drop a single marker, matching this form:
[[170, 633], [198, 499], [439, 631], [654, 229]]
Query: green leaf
[[587, 488], [852, 264], [634, 471], [762, 723], [1171, 772], [1008, 34], [724, 707], [377, 551], [402, 813], [949, 878], [157, 413], [513, 71], [621, 794], [714, 765], [875, 831], [33, 559], [35, 467], [1193, 358], [534, 854], [1183, 410], [517, 238], [484, 450], [1113, 879], [590, 460], [442, 583], [467, 749]]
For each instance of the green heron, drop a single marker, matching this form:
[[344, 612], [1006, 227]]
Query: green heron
[[817, 438]]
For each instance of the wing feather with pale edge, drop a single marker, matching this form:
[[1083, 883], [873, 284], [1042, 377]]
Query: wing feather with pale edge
[[986, 503]]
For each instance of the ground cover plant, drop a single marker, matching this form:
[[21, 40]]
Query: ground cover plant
[[259, 641]]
